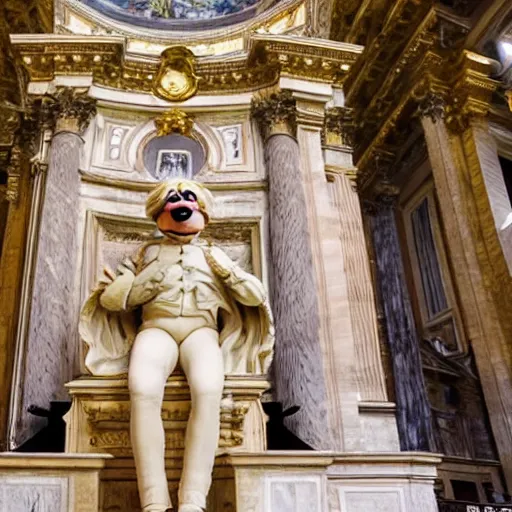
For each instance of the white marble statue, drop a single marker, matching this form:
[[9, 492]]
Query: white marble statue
[[197, 307]]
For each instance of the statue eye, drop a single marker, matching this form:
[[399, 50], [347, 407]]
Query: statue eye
[[174, 198], [189, 196]]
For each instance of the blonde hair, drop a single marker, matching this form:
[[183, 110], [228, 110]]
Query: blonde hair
[[159, 195]]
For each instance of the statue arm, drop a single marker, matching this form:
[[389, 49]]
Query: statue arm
[[136, 282], [246, 288], [115, 294]]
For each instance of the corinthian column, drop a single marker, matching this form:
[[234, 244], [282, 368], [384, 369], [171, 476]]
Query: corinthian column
[[461, 170], [47, 345], [297, 372]]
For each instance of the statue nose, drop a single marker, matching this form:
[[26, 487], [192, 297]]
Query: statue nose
[[181, 214]]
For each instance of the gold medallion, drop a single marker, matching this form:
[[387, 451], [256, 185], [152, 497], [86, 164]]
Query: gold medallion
[[176, 80]]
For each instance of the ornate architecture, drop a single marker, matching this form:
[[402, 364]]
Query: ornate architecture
[[360, 155]]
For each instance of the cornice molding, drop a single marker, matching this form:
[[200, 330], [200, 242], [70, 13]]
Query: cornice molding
[[101, 23], [375, 86], [106, 59]]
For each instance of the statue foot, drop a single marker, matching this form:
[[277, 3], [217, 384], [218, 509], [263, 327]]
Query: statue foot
[[190, 508]]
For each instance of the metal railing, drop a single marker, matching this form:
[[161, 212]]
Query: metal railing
[[464, 506]]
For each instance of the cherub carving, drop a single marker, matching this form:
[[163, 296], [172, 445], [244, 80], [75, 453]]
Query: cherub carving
[[197, 307]]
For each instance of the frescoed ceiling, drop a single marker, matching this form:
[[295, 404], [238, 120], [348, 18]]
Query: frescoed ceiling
[[162, 14]]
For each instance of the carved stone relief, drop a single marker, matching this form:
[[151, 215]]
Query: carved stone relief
[[294, 495], [23, 493], [376, 500]]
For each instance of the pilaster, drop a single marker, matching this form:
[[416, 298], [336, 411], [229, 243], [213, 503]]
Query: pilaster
[[338, 142], [18, 195], [336, 328], [455, 141]]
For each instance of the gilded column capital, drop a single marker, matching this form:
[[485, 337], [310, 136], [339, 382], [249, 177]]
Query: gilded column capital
[[432, 106], [68, 110], [275, 113], [456, 101], [14, 175], [339, 127], [10, 121]]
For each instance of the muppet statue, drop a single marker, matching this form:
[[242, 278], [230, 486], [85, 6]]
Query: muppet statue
[[177, 299]]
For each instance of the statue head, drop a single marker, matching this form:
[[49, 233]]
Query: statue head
[[181, 208]]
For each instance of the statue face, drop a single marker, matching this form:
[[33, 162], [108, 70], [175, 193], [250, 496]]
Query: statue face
[[181, 215]]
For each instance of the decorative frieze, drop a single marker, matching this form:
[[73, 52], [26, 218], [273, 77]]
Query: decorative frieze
[[99, 420], [106, 59]]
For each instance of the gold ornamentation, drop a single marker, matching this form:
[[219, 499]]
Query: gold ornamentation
[[304, 57], [174, 121], [14, 175], [508, 95], [454, 92], [176, 79], [339, 127], [104, 57]]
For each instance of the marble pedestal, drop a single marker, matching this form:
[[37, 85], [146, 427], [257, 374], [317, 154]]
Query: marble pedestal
[[326, 482], [99, 419], [55, 482], [297, 482], [246, 477]]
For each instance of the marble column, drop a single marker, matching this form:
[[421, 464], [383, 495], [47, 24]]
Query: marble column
[[297, 371], [477, 267], [48, 349], [413, 409]]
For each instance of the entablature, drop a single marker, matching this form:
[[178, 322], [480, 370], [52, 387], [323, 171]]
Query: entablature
[[431, 92], [108, 62]]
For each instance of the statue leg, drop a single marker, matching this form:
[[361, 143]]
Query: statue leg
[[201, 360], [153, 358]]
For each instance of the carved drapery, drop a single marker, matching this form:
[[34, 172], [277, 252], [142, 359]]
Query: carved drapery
[[297, 371], [46, 341]]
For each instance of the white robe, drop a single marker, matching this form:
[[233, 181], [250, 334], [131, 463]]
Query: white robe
[[246, 333]]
